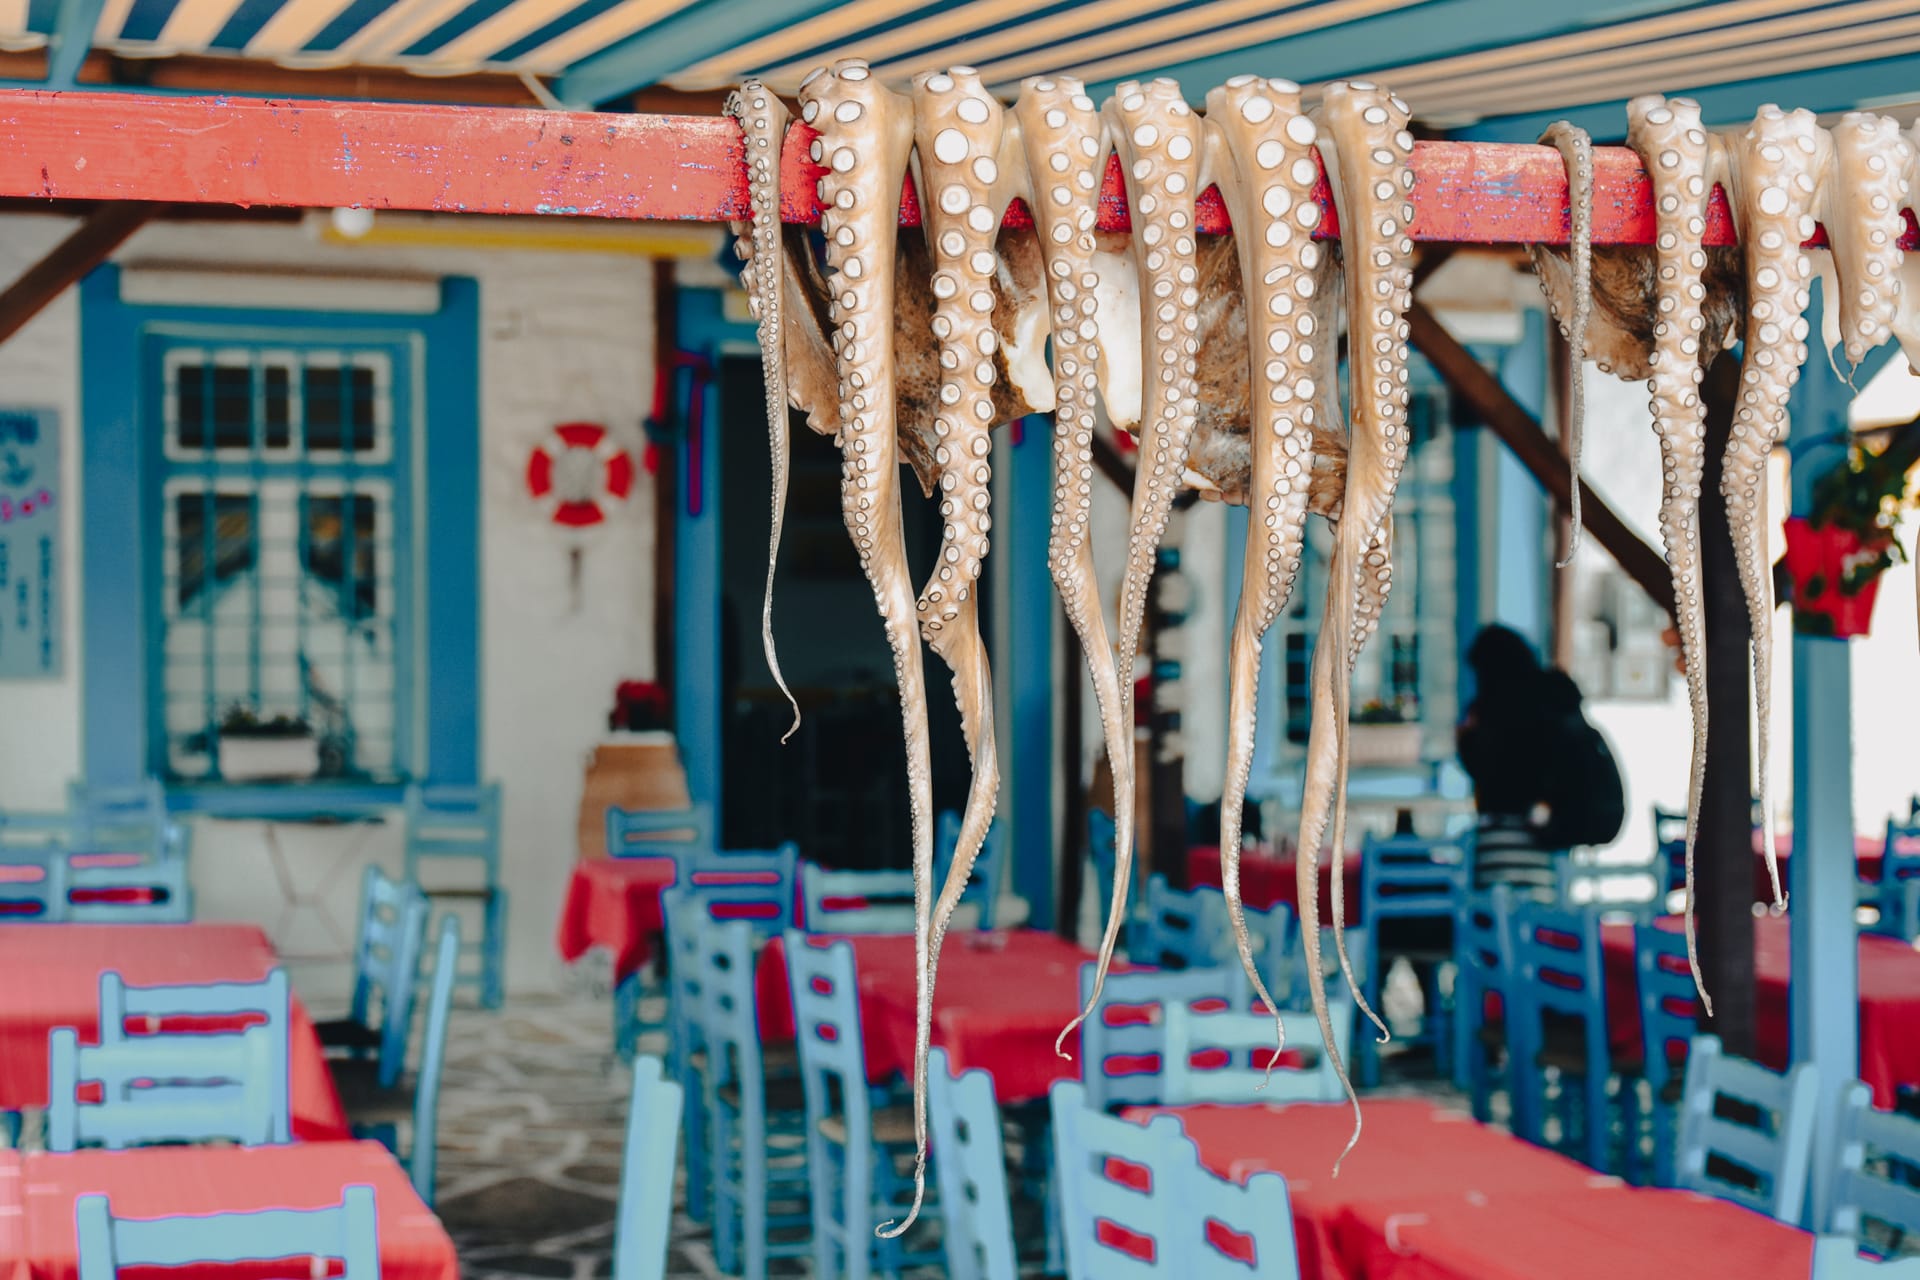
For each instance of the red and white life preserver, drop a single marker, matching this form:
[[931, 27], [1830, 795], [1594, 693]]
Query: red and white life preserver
[[577, 473]]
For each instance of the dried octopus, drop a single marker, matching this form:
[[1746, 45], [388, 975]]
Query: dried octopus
[[1219, 355]]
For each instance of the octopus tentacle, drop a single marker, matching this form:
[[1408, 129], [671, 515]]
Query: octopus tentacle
[[1260, 151], [1868, 188], [1065, 155], [1158, 138], [1576, 149], [866, 135], [1367, 150], [960, 163], [1777, 175], [1682, 166], [763, 126]]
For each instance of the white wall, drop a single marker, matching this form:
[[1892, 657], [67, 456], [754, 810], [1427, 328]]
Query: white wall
[[563, 336]]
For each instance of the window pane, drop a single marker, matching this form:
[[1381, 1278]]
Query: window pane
[[215, 406], [234, 539], [340, 558], [334, 398], [279, 419]]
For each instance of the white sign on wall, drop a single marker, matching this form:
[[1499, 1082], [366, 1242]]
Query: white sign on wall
[[30, 501]]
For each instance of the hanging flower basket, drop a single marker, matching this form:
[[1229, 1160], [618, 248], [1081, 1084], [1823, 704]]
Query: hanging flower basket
[[1836, 578]]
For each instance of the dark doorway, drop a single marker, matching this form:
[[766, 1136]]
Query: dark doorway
[[838, 787]]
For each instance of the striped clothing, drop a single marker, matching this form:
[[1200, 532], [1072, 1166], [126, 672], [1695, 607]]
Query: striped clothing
[[1507, 850]]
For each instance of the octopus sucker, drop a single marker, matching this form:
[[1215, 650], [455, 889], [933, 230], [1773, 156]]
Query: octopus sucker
[[1682, 164], [1576, 150], [865, 140], [1260, 153], [1872, 169], [1065, 153], [1777, 174], [763, 128], [1158, 138], [963, 161]]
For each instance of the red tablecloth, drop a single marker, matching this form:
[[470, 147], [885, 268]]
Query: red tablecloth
[[1409, 1149], [1889, 1001], [13, 1222], [50, 977], [1599, 1232], [1869, 853], [153, 1182], [614, 903], [1267, 878], [1002, 999]]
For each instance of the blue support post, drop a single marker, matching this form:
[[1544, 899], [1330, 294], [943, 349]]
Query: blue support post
[[1519, 588], [1028, 668], [703, 329], [1824, 994]]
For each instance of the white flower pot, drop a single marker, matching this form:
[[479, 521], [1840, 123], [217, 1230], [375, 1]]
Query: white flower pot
[[251, 759]]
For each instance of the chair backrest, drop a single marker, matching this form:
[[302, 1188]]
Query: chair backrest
[[386, 962], [641, 1231], [1134, 1202], [1222, 1056], [1838, 1258], [1746, 1134], [989, 868], [230, 1006], [347, 1232], [970, 1166], [423, 1157], [151, 892], [1900, 856], [162, 1088], [33, 886], [856, 901], [445, 821], [826, 1019], [729, 1021], [658, 832], [1185, 928], [744, 884], [27, 835], [1669, 1003], [1483, 966], [1406, 875], [1557, 955], [130, 819], [1876, 1175], [1670, 845], [685, 914], [1123, 1041]]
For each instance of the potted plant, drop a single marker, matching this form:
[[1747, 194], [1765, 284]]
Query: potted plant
[[1385, 733], [1836, 554], [257, 748]]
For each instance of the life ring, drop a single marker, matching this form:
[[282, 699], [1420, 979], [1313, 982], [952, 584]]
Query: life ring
[[577, 473]]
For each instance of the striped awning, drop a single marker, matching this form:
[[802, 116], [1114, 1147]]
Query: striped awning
[[1497, 67]]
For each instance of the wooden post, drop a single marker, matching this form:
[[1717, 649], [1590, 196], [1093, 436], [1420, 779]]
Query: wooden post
[[1723, 850], [92, 243]]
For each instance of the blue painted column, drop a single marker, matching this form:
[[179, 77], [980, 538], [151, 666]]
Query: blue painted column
[[696, 559], [1027, 666], [1824, 996], [1519, 587]]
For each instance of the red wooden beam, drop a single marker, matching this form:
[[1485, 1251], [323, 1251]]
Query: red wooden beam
[[261, 151]]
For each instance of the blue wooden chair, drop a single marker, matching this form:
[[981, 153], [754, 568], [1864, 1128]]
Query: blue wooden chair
[[756, 1113], [1838, 1258], [347, 1232], [989, 869], [644, 1225], [447, 824], [843, 902], [1136, 1205], [386, 964], [1669, 1021], [686, 913], [1184, 928], [1404, 879], [1898, 893], [645, 833], [1746, 1134], [1670, 845], [33, 887], [126, 819], [1222, 1056], [970, 1167], [853, 1147], [1557, 1019], [377, 1111], [1483, 967], [137, 893], [756, 885], [267, 1000], [162, 1089], [1123, 1041], [1875, 1181]]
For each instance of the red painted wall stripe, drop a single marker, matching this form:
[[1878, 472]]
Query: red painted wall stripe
[[257, 151]]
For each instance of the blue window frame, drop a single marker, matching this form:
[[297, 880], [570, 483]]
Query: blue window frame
[[281, 516]]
